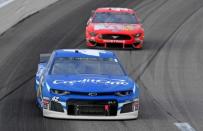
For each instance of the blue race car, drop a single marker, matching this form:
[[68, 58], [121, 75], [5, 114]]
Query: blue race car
[[85, 84]]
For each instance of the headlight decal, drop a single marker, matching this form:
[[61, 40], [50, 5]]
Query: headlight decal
[[138, 35], [92, 33], [60, 92], [123, 93]]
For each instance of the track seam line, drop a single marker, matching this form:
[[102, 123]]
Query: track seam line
[[139, 66], [151, 60], [153, 10], [15, 89], [153, 56], [155, 101]]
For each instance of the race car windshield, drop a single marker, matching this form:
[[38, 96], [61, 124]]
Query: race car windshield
[[74, 66], [112, 17]]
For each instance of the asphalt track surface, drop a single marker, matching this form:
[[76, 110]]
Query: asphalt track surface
[[169, 69]]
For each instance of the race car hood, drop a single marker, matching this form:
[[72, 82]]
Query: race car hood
[[115, 28], [90, 83]]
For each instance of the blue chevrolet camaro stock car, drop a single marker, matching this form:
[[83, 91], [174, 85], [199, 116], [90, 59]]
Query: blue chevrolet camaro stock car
[[85, 84]]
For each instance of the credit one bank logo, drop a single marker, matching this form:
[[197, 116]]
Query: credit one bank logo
[[93, 81]]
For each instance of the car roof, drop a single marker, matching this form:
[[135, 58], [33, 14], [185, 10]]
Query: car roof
[[114, 9], [84, 53]]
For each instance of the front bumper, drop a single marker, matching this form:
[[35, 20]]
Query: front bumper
[[136, 43], [122, 112], [60, 115]]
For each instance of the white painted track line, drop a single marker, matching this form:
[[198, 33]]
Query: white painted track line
[[184, 126]]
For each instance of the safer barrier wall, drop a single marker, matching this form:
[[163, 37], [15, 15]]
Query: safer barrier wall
[[12, 11]]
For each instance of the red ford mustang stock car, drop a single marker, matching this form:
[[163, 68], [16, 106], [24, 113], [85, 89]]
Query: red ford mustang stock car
[[114, 27]]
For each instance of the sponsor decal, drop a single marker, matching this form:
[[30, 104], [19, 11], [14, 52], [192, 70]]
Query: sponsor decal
[[88, 52], [114, 27], [118, 9], [129, 27], [94, 81], [92, 94], [45, 102], [114, 41], [55, 99]]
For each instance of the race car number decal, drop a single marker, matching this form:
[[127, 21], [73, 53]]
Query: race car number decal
[[55, 99]]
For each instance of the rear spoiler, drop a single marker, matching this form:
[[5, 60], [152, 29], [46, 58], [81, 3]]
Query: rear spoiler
[[44, 58]]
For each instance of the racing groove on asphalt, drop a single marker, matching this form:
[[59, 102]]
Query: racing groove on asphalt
[[169, 69]]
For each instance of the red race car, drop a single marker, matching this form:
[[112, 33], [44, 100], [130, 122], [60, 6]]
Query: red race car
[[114, 27]]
